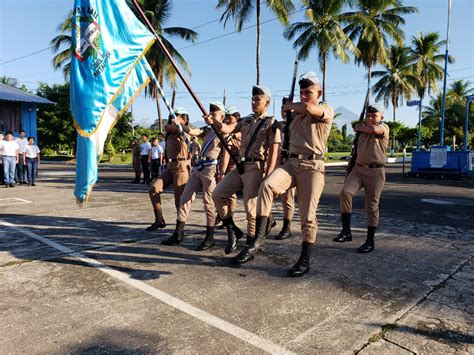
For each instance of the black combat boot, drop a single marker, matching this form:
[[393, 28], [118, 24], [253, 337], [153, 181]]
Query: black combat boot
[[285, 230], [345, 235], [177, 236], [249, 240], [302, 265], [208, 241], [159, 222], [249, 251], [233, 234], [369, 244]]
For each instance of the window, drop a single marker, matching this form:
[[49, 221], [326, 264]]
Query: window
[[10, 116]]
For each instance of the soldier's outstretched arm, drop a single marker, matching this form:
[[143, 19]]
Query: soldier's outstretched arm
[[222, 127], [370, 129], [315, 111]]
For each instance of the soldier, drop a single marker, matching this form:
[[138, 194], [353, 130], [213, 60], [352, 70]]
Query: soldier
[[202, 177], [177, 168], [227, 164], [309, 131], [136, 150], [369, 173], [261, 138]]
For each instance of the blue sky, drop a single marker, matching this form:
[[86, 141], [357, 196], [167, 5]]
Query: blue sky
[[228, 62]]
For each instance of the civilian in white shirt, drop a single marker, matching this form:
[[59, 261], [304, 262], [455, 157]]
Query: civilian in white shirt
[[155, 158], [145, 152], [21, 168], [10, 150], [31, 158], [162, 144]]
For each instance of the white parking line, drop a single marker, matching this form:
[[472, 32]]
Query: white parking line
[[174, 302], [13, 201]]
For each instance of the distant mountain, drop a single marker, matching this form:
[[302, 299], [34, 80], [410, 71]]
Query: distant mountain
[[346, 117]]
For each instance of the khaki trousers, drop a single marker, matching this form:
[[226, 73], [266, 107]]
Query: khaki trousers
[[248, 182], [176, 173], [205, 180], [308, 178], [288, 204], [372, 180]]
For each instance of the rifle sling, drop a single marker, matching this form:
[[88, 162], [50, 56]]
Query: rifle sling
[[254, 136]]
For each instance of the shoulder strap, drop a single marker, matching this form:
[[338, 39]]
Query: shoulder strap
[[254, 136]]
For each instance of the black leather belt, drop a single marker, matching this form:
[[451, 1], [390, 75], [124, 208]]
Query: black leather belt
[[206, 159], [372, 166], [307, 156], [177, 159], [244, 159]]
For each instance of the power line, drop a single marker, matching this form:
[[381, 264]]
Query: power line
[[26, 55], [234, 32]]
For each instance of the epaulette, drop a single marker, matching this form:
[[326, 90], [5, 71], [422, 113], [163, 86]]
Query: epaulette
[[276, 125], [247, 119]]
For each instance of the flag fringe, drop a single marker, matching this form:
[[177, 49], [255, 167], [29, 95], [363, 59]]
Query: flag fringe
[[132, 99]]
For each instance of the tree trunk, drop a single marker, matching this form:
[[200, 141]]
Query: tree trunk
[[324, 77], [158, 110], [173, 97], [369, 73], [258, 42], [392, 149]]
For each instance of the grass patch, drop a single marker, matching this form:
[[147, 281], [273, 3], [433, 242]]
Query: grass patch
[[380, 335], [117, 159], [57, 158], [16, 262]]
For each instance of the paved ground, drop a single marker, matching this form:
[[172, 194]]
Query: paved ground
[[92, 281]]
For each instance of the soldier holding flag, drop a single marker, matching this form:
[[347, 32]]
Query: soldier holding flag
[[202, 177], [177, 167]]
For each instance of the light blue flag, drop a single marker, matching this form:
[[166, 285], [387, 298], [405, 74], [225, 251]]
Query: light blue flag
[[108, 70]]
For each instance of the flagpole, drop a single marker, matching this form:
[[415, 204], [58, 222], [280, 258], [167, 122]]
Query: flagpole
[[185, 82]]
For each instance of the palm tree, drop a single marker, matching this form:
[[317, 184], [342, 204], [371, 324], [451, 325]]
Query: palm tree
[[158, 12], [63, 40], [242, 10], [397, 81], [375, 22], [426, 56], [322, 31]]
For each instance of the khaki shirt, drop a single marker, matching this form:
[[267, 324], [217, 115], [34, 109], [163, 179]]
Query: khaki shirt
[[268, 134], [176, 147], [214, 148], [372, 148], [308, 135]]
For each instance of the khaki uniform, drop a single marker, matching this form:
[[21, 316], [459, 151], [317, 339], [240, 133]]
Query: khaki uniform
[[176, 172], [202, 177], [235, 141], [368, 173], [253, 176], [288, 204], [308, 136], [136, 160]]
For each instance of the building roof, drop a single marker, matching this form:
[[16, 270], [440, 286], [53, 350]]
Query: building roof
[[9, 93]]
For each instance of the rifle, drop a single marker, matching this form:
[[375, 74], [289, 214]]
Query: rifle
[[286, 131], [185, 82], [353, 159]]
